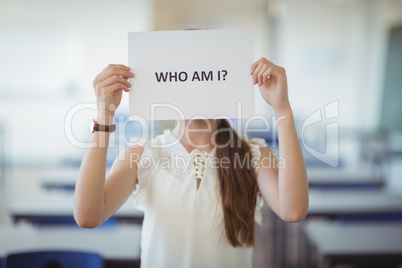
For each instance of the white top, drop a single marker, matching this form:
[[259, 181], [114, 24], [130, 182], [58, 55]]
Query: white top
[[183, 226]]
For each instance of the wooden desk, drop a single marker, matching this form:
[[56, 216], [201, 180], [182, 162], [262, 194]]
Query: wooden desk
[[354, 243], [60, 205], [119, 246]]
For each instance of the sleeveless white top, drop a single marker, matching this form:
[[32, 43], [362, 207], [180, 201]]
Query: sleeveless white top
[[183, 226]]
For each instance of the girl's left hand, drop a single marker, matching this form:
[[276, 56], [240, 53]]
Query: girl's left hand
[[272, 82]]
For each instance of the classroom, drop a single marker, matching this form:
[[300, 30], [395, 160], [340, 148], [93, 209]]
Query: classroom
[[319, 88]]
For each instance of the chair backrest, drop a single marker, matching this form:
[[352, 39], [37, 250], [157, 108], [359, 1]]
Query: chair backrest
[[53, 259]]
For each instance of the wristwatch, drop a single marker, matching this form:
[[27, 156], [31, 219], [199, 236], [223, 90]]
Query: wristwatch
[[105, 128]]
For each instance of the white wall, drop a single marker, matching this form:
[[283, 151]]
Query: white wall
[[334, 50], [50, 53]]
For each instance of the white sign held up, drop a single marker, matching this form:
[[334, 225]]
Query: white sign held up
[[191, 74]]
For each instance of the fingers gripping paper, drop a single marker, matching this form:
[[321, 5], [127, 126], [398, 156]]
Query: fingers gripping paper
[[191, 74]]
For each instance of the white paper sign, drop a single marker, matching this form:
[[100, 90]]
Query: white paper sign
[[191, 74]]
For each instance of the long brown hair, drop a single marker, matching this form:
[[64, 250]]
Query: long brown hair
[[238, 185]]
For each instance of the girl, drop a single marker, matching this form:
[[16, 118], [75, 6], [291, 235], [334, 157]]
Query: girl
[[201, 213]]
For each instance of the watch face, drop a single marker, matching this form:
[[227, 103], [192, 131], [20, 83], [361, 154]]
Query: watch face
[[112, 128]]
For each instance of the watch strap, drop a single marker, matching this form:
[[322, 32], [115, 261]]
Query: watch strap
[[103, 128]]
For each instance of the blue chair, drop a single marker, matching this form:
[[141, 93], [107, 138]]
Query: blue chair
[[53, 259]]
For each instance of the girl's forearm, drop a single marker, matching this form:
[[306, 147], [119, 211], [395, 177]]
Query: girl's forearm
[[292, 177], [89, 189], [109, 86]]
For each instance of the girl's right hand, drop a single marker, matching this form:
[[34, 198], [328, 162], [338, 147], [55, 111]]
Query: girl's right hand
[[109, 85]]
